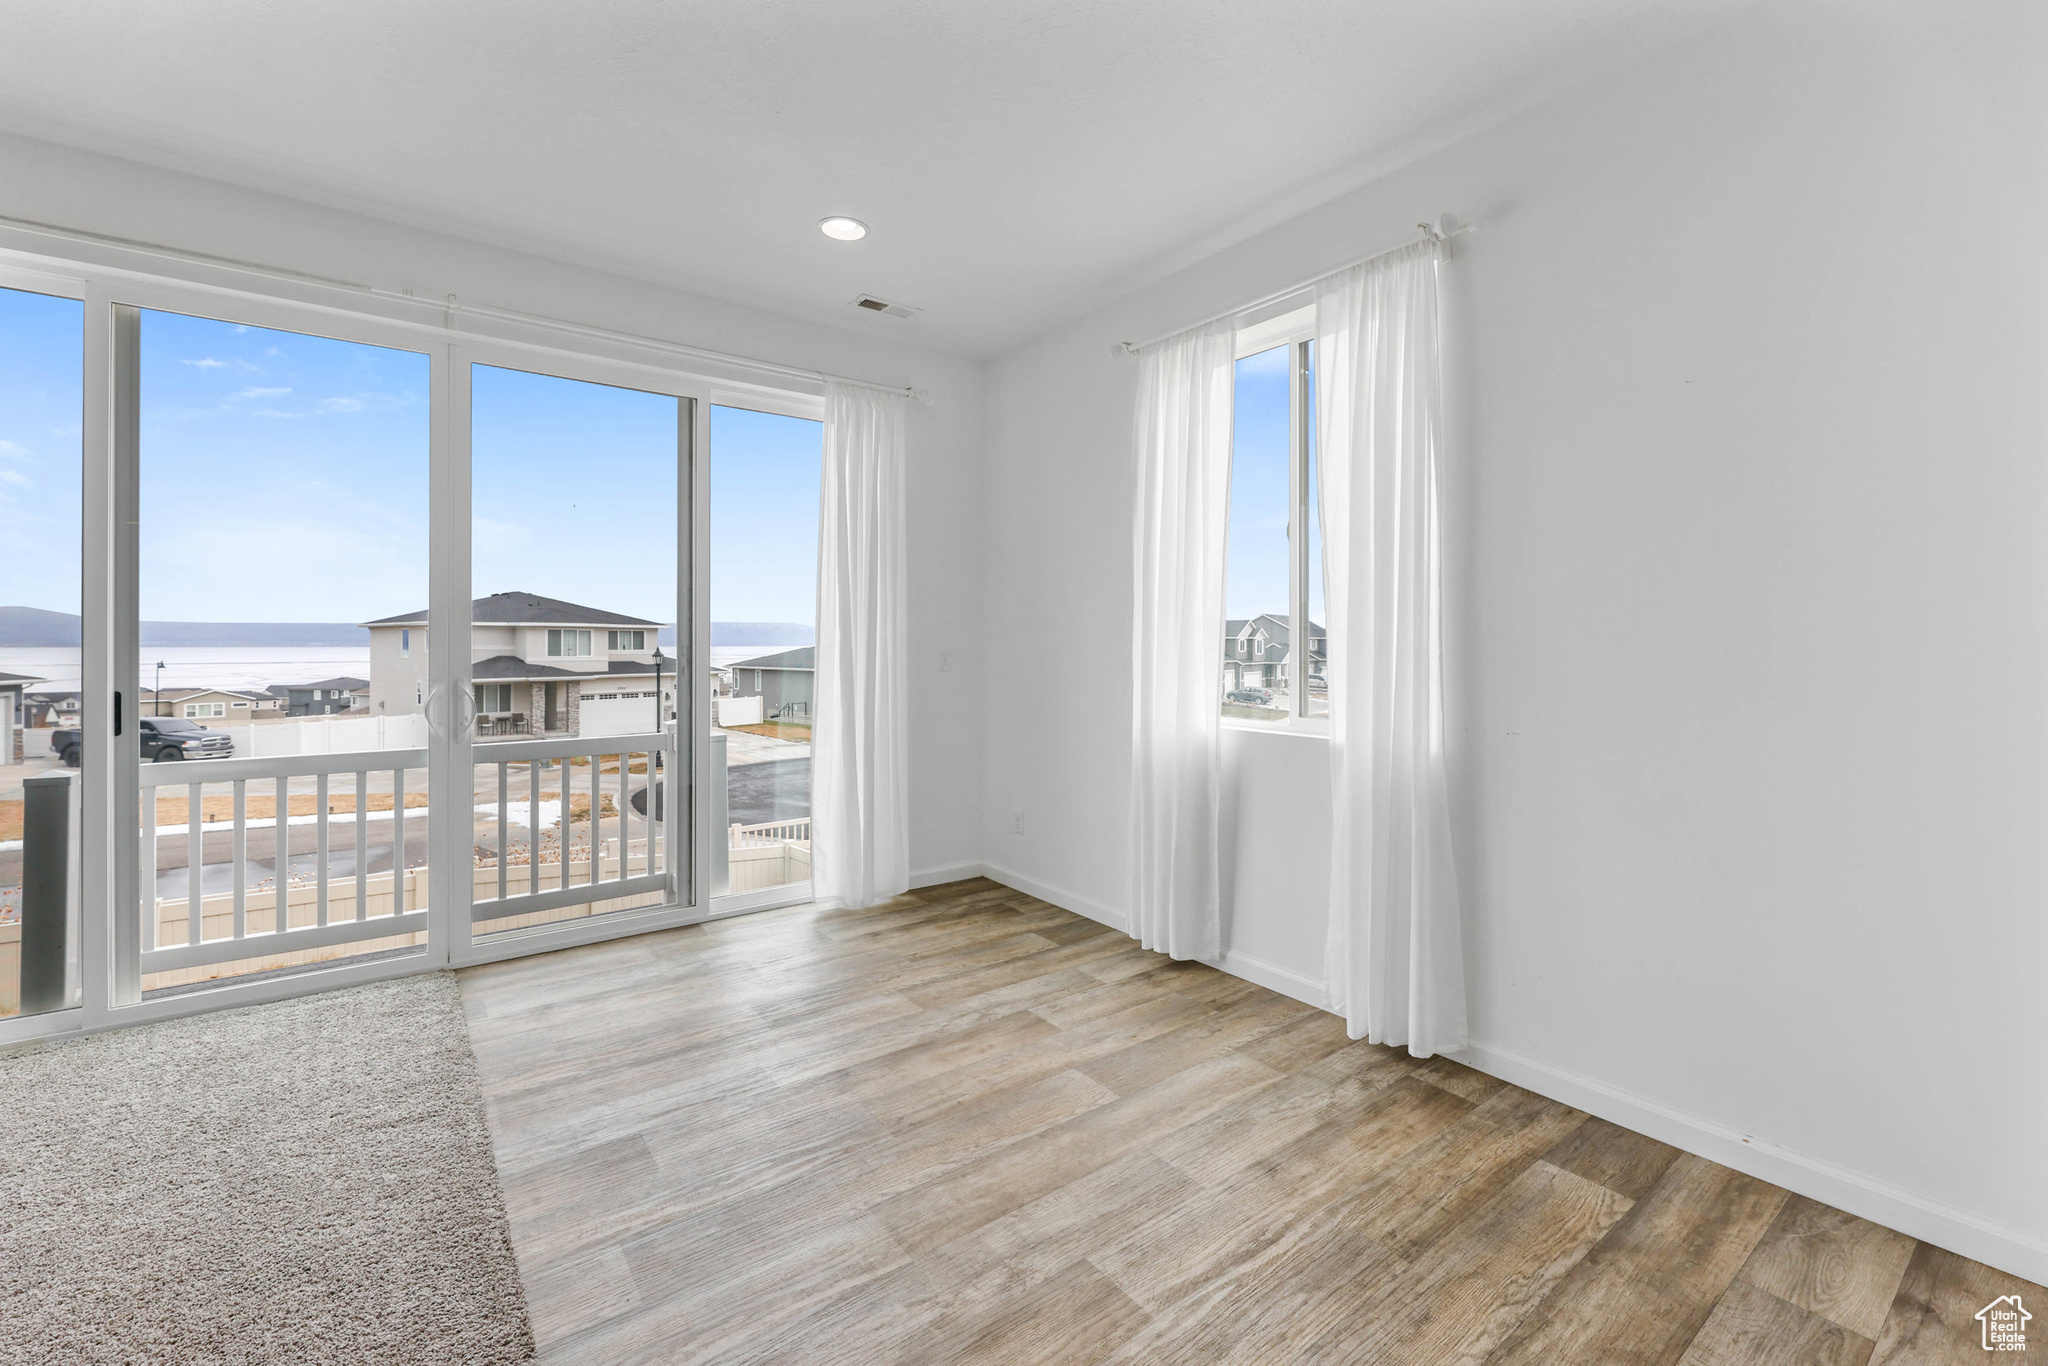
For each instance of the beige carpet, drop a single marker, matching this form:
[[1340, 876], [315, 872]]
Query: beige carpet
[[306, 1182]]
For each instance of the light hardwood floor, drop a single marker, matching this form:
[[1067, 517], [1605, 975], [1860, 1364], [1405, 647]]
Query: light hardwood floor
[[969, 1126]]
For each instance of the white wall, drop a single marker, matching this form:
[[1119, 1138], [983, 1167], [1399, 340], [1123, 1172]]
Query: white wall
[[44, 183], [1749, 504]]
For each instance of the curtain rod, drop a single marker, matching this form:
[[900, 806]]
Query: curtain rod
[[448, 307], [1443, 230]]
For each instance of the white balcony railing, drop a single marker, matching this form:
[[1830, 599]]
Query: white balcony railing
[[586, 846], [606, 872], [290, 916], [772, 832]]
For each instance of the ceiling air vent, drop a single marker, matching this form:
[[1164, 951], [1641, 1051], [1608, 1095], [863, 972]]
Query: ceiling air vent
[[874, 305]]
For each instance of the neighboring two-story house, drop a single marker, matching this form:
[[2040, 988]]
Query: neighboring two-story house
[[786, 682], [1256, 654], [328, 697], [538, 666]]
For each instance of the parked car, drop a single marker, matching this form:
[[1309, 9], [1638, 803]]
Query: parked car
[[165, 739], [1250, 697]]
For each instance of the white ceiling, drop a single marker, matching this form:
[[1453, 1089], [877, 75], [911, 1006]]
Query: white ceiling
[[1018, 161]]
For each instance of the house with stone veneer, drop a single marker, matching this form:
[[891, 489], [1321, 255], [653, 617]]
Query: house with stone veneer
[[538, 666]]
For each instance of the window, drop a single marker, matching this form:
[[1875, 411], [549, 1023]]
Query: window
[[493, 699], [404, 643], [1274, 648], [42, 480], [625, 640], [204, 709], [766, 472], [569, 644]]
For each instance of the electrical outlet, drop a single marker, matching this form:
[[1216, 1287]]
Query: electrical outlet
[[1017, 821]]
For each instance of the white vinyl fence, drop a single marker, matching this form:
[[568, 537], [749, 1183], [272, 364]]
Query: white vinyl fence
[[736, 711], [327, 735]]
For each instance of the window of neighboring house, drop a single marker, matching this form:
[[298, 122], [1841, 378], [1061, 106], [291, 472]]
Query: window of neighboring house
[[494, 699], [241, 704], [1274, 544], [625, 640], [569, 644], [404, 643]]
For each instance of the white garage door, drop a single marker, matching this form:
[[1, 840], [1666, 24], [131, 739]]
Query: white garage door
[[629, 712]]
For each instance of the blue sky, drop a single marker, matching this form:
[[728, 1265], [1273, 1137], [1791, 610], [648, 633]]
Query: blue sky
[[573, 492], [765, 485], [1256, 581], [42, 398], [284, 478], [1257, 578]]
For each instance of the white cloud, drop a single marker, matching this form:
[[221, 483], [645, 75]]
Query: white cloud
[[206, 363], [256, 391], [12, 448], [340, 405], [13, 477]]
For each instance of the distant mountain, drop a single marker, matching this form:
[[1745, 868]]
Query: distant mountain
[[34, 626]]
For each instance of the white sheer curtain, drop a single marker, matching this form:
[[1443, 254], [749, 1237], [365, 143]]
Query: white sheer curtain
[[1182, 441], [860, 811], [1395, 957]]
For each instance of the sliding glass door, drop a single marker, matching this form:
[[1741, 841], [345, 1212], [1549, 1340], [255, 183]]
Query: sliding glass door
[[763, 533], [281, 484], [578, 640], [335, 647]]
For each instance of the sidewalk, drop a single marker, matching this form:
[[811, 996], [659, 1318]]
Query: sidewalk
[[741, 747]]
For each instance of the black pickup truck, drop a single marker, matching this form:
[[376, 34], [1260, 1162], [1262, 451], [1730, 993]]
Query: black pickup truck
[[165, 739]]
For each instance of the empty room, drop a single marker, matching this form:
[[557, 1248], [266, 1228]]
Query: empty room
[[873, 681]]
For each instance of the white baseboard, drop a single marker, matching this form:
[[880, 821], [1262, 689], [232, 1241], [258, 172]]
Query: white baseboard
[[1306, 990], [1255, 970], [944, 872], [1058, 896], [1996, 1245]]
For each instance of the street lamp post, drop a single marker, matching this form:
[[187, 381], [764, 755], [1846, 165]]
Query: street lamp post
[[159, 689]]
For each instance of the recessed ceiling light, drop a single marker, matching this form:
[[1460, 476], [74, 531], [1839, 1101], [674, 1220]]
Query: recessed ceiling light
[[845, 229]]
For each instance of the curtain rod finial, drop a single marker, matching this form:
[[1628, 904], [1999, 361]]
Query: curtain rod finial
[[1122, 348]]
